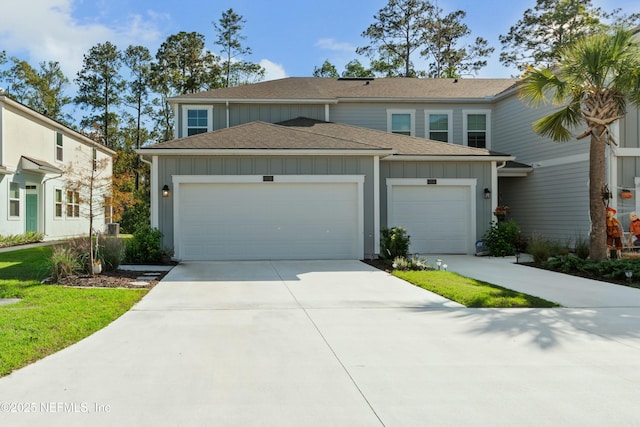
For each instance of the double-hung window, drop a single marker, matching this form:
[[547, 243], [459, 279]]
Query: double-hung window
[[14, 200], [439, 125], [58, 203], [59, 148], [477, 128], [197, 119], [401, 122], [73, 204]]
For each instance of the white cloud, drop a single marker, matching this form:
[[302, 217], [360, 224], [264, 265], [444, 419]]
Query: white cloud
[[336, 46], [45, 30], [273, 71]]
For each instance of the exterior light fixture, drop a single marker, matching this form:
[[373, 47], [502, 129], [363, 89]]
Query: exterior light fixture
[[487, 194], [165, 191], [439, 263], [629, 274]]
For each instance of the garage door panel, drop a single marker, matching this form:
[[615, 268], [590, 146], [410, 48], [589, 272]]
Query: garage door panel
[[437, 218], [269, 221]]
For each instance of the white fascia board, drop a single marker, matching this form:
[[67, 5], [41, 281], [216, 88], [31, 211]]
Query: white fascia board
[[400, 158], [487, 100], [260, 152]]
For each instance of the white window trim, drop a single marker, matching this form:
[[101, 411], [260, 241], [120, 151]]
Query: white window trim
[[185, 112], [412, 113], [427, 130], [465, 130], [19, 199]]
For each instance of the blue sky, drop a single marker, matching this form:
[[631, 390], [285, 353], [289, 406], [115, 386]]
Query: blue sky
[[288, 37]]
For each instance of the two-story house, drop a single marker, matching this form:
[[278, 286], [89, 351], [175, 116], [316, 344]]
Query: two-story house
[[305, 168], [40, 159]]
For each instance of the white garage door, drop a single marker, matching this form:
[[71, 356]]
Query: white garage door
[[438, 218], [268, 220]]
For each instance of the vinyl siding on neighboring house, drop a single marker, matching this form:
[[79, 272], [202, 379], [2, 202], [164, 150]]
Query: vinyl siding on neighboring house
[[427, 169], [169, 166], [630, 129]]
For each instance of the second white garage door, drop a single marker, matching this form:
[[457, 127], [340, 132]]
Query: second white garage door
[[269, 220], [439, 218]]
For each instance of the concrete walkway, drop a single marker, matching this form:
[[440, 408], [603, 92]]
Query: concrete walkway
[[334, 344]]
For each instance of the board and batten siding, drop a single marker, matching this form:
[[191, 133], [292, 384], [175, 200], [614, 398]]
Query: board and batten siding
[[440, 170], [169, 166], [551, 202]]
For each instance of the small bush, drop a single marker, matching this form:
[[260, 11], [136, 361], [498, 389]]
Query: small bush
[[64, 263], [20, 239], [415, 264], [80, 247], [540, 249], [111, 251], [145, 246], [582, 248], [394, 243], [502, 238]]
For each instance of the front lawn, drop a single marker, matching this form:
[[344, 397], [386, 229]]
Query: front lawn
[[470, 292], [49, 318]]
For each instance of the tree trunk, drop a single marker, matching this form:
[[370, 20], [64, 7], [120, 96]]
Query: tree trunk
[[597, 211]]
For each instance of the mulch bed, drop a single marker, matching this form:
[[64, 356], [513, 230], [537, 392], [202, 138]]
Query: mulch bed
[[112, 279]]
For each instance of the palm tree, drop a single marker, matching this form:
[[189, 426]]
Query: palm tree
[[592, 83]]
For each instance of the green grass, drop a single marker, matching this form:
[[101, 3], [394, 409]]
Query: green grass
[[49, 318], [470, 292]]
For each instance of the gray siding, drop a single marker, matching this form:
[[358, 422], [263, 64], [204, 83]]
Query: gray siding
[[273, 113], [272, 165], [513, 134], [552, 202], [630, 129], [479, 170]]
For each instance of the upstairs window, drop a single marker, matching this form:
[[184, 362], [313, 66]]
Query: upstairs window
[[401, 122], [477, 130], [197, 122], [14, 200], [59, 150], [439, 125]]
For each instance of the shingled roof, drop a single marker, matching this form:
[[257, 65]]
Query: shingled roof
[[309, 134], [314, 89]]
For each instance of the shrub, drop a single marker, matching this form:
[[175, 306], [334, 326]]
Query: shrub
[[415, 263], [394, 243], [582, 248], [135, 217], [111, 251], [21, 239], [502, 238], [145, 246], [80, 247], [64, 263], [540, 249]]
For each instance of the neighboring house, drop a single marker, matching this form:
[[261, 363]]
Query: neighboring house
[[313, 168], [39, 160]]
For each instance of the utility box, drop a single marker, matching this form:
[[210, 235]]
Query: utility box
[[113, 229]]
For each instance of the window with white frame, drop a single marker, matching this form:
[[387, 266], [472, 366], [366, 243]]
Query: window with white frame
[[401, 122], [73, 204], [439, 126], [59, 148], [477, 128], [197, 119], [14, 200], [58, 203]]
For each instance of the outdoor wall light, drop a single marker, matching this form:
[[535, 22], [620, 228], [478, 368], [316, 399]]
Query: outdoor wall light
[[165, 191], [487, 193]]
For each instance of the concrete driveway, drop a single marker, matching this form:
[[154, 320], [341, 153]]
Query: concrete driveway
[[332, 344]]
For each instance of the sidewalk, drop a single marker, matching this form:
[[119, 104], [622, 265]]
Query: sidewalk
[[564, 289]]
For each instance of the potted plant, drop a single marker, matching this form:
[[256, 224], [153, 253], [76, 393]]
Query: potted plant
[[501, 212]]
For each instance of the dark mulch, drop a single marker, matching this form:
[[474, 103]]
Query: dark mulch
[[112, 279], [631, 284]]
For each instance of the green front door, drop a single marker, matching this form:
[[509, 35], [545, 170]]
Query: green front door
[[32, 212]]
